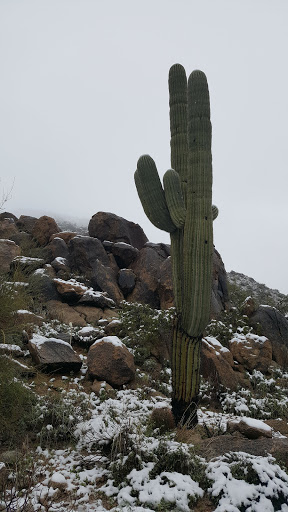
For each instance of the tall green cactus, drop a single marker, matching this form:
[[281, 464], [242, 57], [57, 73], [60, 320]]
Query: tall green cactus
[[184, 209]]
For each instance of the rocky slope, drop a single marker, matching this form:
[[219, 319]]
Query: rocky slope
[[85, 380]]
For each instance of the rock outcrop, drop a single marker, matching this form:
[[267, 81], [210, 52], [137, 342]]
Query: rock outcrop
[[272, 324]]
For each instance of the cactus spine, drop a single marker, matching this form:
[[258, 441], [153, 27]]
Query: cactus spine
[[184, 209]]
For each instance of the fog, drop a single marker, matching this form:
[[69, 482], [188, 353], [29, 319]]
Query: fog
[[83, 93]]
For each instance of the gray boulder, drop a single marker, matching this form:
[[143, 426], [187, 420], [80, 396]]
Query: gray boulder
[[84, 252], [126, 280], [8, 252], [123, 253], [111, 227], [269, 322], [53, 355]]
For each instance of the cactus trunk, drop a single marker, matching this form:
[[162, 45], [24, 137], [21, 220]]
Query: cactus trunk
[[184, 209], [186, 375]]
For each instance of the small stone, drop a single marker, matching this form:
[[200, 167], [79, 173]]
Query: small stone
[[58, 481]]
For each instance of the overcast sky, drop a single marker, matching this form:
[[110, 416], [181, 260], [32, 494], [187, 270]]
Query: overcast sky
[[83, 93]]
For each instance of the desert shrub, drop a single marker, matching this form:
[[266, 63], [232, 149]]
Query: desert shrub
[[181, 459], [229, 322], [16, 405], [263, 483], [267, 399], [162, 419], [13, 296], [143, 326], [55, 417]]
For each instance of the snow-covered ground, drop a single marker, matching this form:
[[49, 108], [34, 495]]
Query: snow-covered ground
[[116, 464]]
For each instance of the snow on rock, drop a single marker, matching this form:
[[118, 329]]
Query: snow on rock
[[215, 343], [250, 427], [252, 351], [6, 348], [110, 339], [110, 360], [58, 480], [53, 354]]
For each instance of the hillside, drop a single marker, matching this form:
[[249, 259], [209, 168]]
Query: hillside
[[260, 292], [85, 380]]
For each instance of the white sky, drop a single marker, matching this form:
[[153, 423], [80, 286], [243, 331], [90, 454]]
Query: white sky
[[83, 93]]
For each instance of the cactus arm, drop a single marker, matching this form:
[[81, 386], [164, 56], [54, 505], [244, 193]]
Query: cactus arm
[[174, 198], [152, 195], [177, 83], [215, 212], [198, 236], [178, 121]]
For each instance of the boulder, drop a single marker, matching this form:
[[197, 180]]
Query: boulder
[[42, 283], [60, 265], [126, 280], [85, 252], [108, 359], [26, 264], [66, 236], [108, 226], [8, 228], [164, 250], [93, 315], [57, 248], [248, 307], [103, 279], [249, 427], [217, 365], [165, 288], [252, 351], [8, 215], [220, 445], [86, 336], [146, 267], [113, 328], [53, 355], [66, 314], [123, 253], [24, 317], [220, 295], [272, 324], [70, 291], [97, 299], [43, 229], [26, 223], [8, 251]]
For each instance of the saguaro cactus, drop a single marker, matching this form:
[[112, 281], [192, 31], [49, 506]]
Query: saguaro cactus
[[184, 209]]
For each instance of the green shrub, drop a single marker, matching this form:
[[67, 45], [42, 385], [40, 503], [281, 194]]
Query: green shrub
[[143, 327], [181, 460], [16, 405], [13, 297], [55, 417], [230, 322]]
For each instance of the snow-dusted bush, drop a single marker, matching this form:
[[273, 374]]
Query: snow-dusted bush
[[247, 482]]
